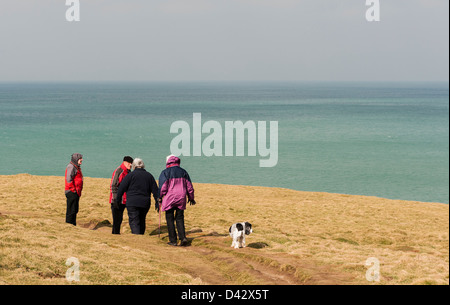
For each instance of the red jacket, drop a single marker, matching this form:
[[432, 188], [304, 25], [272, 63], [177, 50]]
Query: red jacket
[[74, 179], [116, 179]]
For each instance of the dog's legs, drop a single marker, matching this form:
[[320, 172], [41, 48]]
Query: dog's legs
[[241, 239], [235, 243]]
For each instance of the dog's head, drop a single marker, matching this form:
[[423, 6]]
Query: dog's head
[[248, 228], [242, 226]]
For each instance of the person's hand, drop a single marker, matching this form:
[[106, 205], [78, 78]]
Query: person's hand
[[192, 202], [158, 204]]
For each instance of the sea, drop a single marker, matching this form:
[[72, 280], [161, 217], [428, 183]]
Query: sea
[[388, 140]]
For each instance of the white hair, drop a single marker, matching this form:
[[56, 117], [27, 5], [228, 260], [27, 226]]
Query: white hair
[[138, 163]]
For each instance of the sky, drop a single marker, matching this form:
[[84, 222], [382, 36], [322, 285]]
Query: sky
[[224, 40]]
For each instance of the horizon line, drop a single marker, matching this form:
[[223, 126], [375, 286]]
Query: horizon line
[[221, 81]]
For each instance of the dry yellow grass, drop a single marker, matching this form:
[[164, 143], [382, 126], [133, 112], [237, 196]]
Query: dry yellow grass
[[306, 238]]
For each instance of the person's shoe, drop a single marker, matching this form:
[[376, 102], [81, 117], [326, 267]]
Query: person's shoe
[[172, 244], [184, 242]]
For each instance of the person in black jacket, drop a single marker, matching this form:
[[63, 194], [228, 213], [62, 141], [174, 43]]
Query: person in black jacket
[[139, 186]]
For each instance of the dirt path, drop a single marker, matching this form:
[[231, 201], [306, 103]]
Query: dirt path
[[221, 264], [209, 259]]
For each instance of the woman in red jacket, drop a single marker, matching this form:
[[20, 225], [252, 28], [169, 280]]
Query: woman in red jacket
[[73, 187]]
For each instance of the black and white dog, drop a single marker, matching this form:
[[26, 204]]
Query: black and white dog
[[238, 232]]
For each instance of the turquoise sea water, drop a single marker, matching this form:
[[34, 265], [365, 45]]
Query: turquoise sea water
[[386, 140]]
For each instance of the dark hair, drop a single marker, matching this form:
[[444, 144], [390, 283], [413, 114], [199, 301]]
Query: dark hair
[[128, 159]]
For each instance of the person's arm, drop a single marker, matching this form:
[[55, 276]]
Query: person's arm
[[115, 183], [162, 185], [71, 171], [190, 189], [123, 188], [154, 189]]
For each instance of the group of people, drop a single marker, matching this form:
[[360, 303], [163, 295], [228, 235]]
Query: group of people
[[132, 188]]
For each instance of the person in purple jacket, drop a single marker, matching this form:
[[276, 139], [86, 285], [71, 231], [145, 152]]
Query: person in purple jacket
[[174, 185]]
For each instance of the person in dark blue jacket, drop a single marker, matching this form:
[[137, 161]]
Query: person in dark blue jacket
[[139, 186]]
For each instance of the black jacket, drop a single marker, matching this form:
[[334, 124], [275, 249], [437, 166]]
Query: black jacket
[[139, 186]]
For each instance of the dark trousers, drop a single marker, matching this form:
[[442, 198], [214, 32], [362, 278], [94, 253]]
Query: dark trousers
[[73, 202], [117, 215], [178, 216], [136, 217]]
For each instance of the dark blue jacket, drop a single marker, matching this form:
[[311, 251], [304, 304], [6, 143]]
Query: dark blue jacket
[[139, 186]]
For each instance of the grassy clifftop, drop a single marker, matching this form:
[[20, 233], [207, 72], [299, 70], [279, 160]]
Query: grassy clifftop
[[299, 238]]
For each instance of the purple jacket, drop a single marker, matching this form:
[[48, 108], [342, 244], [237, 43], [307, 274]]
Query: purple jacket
[[174, 185]]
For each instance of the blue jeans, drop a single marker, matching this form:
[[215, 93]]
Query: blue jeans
[[136, 218]]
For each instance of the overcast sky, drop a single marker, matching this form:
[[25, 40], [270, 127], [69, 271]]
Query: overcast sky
[[190, 40]]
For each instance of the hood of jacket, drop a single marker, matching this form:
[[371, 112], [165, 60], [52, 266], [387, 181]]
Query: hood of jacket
[[173, 161], [75, 158]]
